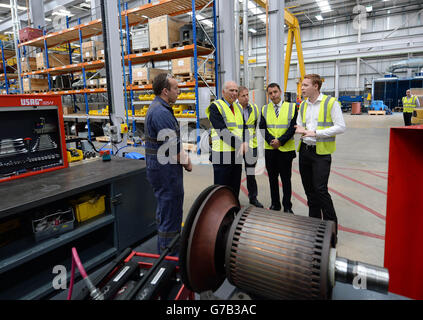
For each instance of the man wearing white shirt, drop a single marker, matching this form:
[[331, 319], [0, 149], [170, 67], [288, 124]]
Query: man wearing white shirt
[[319, 120]]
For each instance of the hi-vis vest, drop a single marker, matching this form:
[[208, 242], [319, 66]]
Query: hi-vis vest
[[323, 145], [278, 126], [234, 122], [409, 104], [251, 125]]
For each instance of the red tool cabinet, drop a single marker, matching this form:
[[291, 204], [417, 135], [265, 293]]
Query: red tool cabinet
[[32, 136]]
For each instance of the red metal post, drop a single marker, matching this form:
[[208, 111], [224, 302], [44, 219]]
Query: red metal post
[[404, 212]]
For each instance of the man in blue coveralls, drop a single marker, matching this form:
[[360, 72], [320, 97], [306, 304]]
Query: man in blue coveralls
[[165, 159]]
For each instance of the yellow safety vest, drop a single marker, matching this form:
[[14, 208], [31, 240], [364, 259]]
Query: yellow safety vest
[[409, 104], [277, 126], [251, 125], [323, 145], [234, 123]]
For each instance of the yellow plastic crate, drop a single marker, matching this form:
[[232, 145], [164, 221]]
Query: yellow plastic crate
[[89, 207]]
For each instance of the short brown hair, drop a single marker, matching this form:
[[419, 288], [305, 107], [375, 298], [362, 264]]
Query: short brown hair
[[241, 89], [273, 85], [160, 82], [315, 79]]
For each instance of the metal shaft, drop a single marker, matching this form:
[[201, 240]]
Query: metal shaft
[[362, 275]]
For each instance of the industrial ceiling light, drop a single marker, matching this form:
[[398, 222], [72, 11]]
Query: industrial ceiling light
[[256, 10], [3, 5], [62, 12], [319, 17], [85, 5], [252, 30], [369, 8], [324, 5]]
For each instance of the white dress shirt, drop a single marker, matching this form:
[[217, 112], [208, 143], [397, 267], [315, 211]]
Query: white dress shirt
[[312, 116]]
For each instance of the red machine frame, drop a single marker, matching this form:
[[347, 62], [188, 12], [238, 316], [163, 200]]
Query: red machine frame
[[184, 293], [38, 101]]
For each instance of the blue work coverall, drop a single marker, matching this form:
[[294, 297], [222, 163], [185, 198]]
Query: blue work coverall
[[166, 179]]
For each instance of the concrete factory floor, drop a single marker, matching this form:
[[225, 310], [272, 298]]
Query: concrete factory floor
[[358, 186]]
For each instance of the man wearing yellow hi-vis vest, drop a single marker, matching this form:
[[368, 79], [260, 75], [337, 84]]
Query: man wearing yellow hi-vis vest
[[227, 134], [278, 124], [409, 103], [319, 120], [251, 114]]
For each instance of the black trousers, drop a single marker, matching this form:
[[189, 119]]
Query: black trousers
[[315, 170], [280, 164], [407, 118], [228, 175], [250, 161]]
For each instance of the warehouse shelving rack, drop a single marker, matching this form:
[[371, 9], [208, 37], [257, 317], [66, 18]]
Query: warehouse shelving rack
[[5, 55], [172, 8], [129, 18]]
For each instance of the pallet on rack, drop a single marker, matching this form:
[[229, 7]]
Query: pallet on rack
[[189, 42], [140, 50], [190, 77], [142, 82], [89, 59], [160, 48], [377, 112]]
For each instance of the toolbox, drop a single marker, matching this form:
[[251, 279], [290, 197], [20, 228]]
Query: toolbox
[[54, 224], [89, 206]]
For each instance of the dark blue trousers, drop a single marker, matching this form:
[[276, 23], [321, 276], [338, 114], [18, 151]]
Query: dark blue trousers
[[228, 175], [168, 187]]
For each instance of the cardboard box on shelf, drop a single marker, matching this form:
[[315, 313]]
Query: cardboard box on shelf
[[54, 60], [163, 32], [184, 66], [142, 75], [28, 64], [34, 85]]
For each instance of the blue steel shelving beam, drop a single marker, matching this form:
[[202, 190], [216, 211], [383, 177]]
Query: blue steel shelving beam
[[19, 63], [87, 109], [70, 62], [197, 109], [47, 61], [4, 67], [128, 49], [123, 62]]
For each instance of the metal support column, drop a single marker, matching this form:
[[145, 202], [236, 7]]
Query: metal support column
[[75, 108], [37, 13], [237, 41], [216, 55], [197, 98], [16, 27], [337, 62], [226, 40], [112, 61], [276, 41], [245, 44], [84, 78]]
